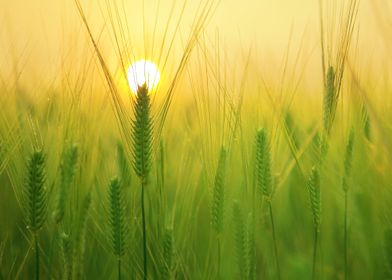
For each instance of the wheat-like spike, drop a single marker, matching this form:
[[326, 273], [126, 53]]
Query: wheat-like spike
[[66, 251], [324, 147], [35, 192], [348, 160], [240, 241], [367, 127], [218, 198], [315, 197], [36, 200], [69, 163], [366, 124], [123, 166], [263, 163], [167, 254], [330, 99], [117, 220], [67, 172], [142, 133]]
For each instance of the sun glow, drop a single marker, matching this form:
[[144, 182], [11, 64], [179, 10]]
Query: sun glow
[[143, 72]]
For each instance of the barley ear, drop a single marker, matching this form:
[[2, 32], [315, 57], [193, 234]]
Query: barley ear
[[67, 173], [240, 241], [66, 252], [167, 268], [218, 198], [348, 160], [142, 133], [263, 164], [366, 124], [35, 192], [315, 196], [330, 99], [117, 220]]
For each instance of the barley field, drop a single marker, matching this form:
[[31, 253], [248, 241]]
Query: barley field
[[168, 139]]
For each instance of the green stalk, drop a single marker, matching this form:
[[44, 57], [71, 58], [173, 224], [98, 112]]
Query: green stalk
[[315, 202], [144, 232], [219, 256], [274, 240], [315, 253], [345, 236], [345, 183], [36, 256], [119, 268]]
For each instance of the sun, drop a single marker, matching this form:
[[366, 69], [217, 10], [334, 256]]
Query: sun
[[143, 72]]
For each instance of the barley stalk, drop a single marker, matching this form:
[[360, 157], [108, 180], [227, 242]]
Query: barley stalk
[[264, 182], [315, 202], [346, 176], [142, 140], [36, 200]]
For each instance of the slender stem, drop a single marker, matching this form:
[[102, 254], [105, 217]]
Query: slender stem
[[315, 252], [119, 268], [345, 236], [274, 240], [144, 232], [36, 256], [50, 265], [219, 256]]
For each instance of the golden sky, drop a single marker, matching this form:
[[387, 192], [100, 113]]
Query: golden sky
[[38, 32]]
